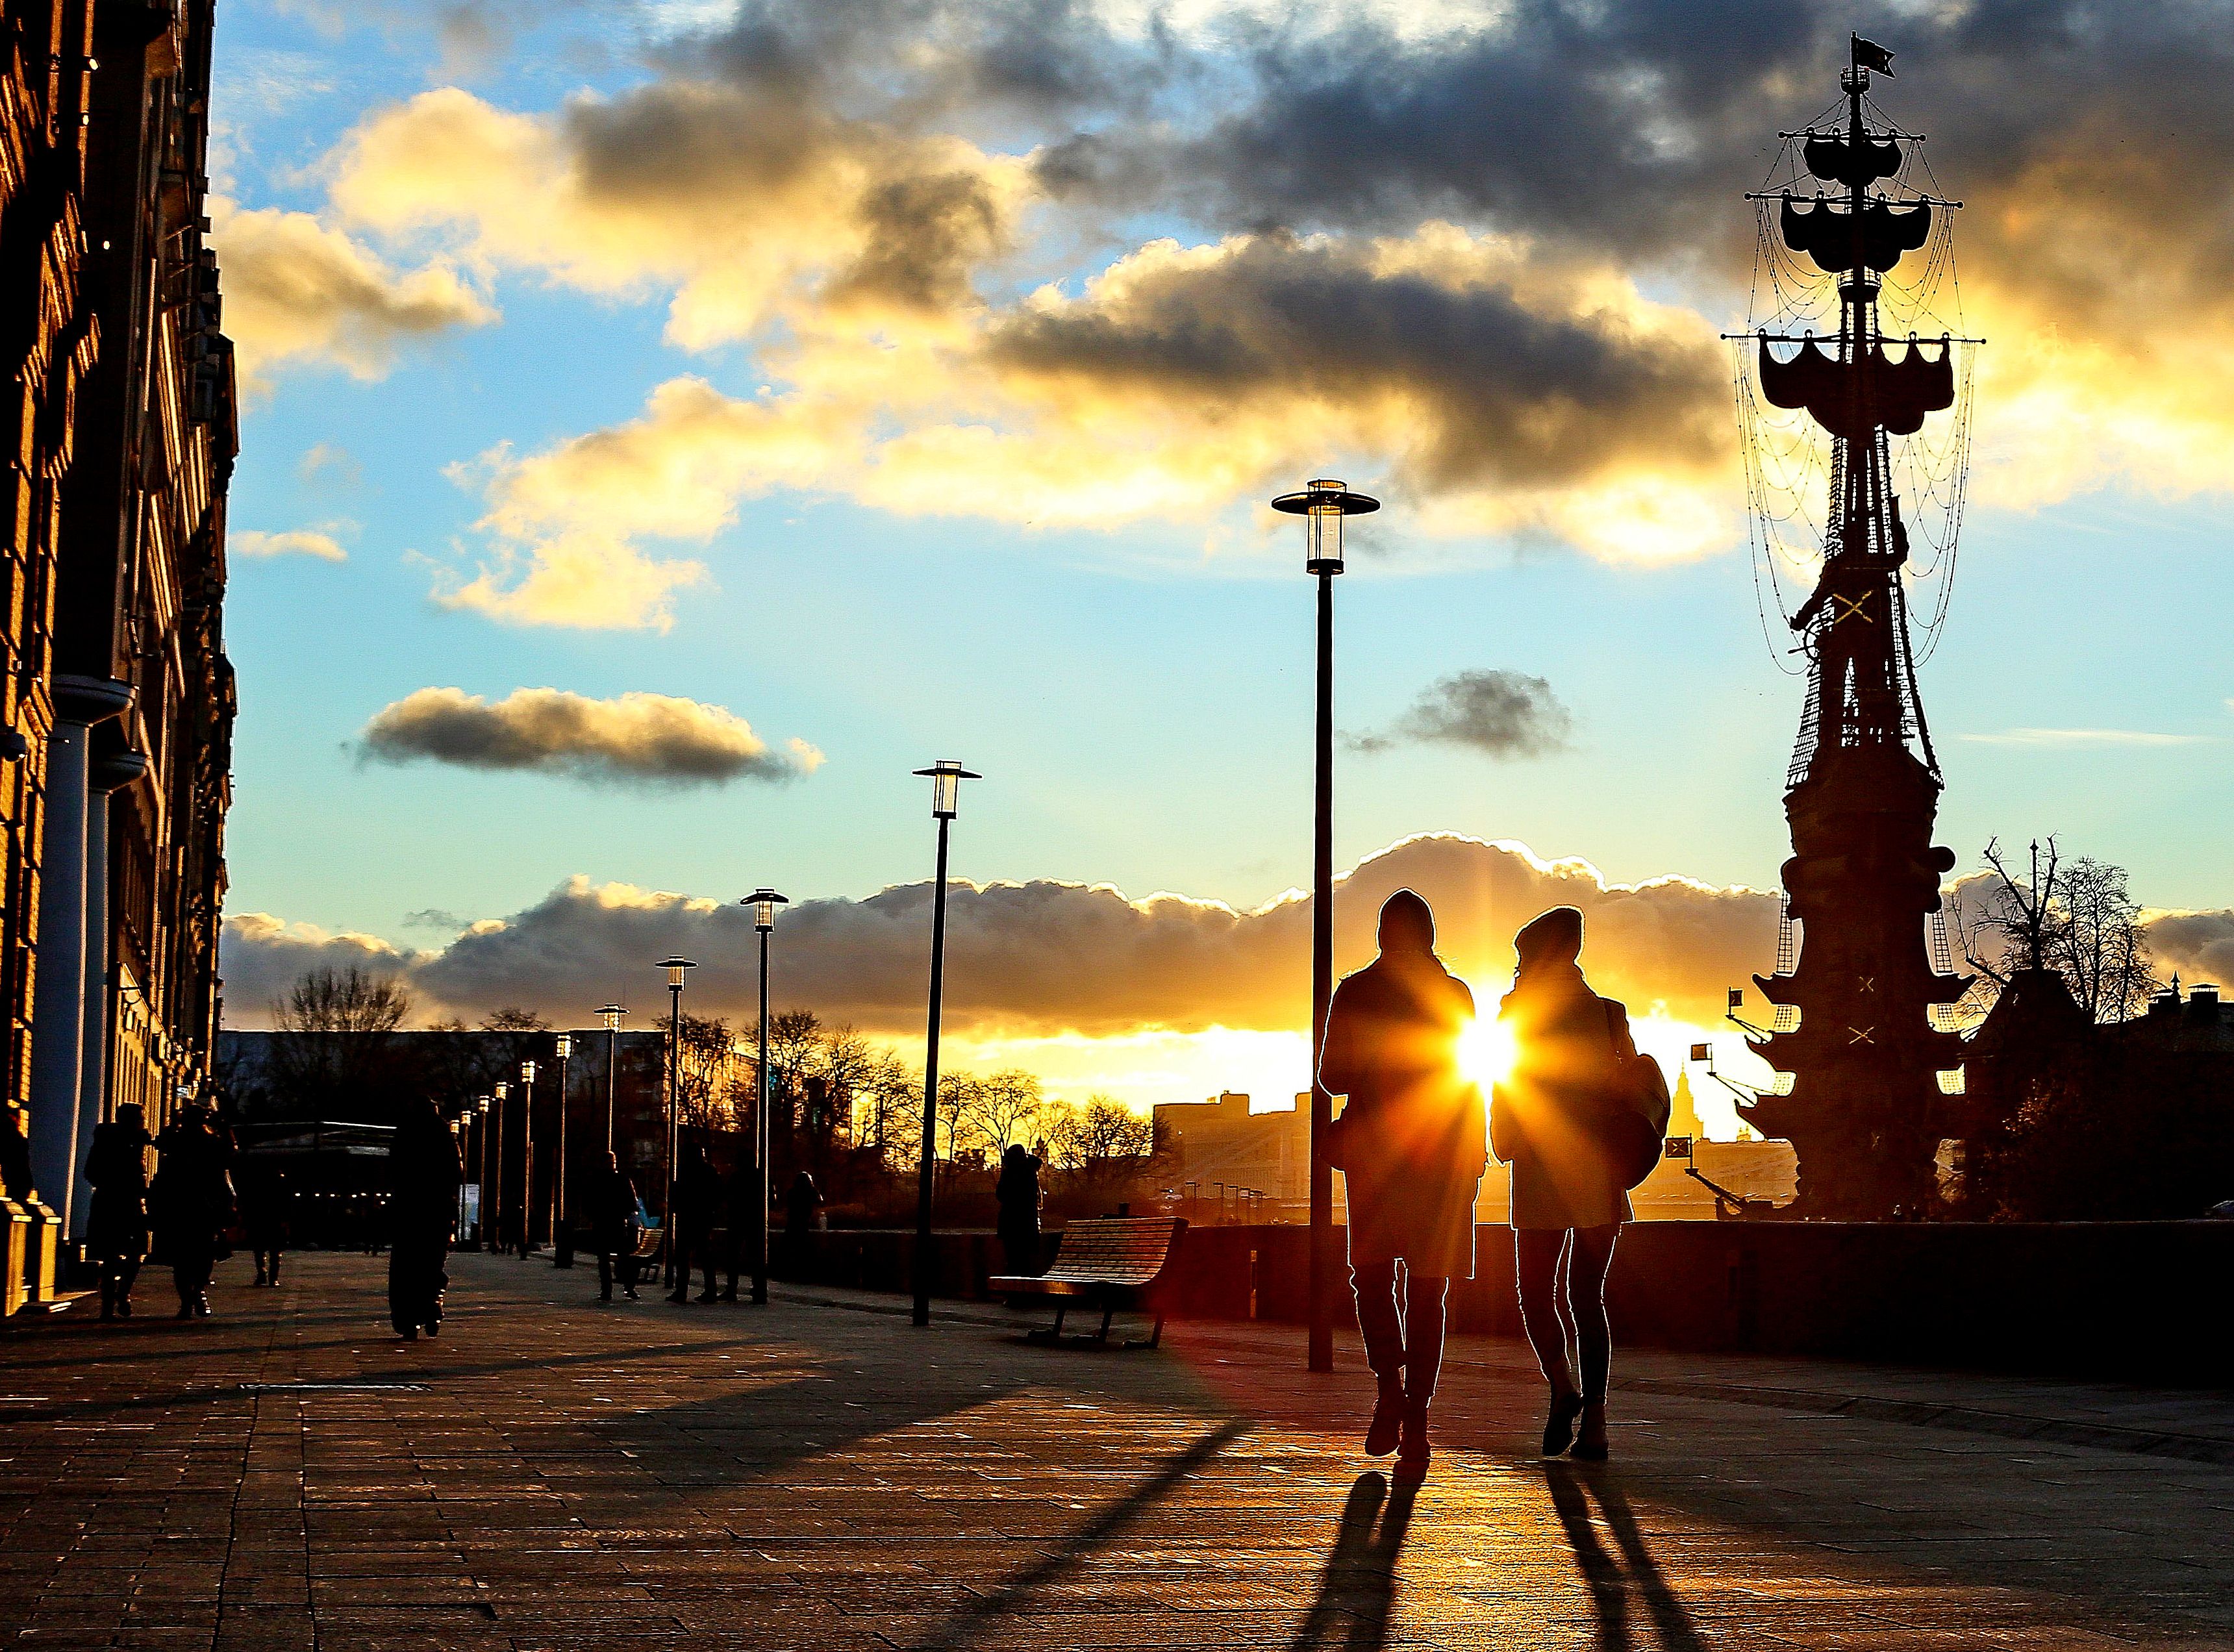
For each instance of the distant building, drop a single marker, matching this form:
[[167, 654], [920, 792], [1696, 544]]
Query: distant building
[[1221, 1140]]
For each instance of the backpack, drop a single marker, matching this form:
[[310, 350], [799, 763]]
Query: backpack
[[1636, 1123]]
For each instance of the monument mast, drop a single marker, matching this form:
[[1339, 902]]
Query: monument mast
[[1858, 982]]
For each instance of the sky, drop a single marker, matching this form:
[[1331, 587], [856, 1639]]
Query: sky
[[668, 425]]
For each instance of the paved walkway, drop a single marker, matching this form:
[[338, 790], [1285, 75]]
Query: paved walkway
[[554, 1475]]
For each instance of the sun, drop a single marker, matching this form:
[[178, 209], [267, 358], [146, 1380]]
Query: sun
[[1486, 1050]]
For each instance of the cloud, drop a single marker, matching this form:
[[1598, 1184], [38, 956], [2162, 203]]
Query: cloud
[[2087, 737], [297, 292], [261, 957], [1043, 957], [1502, 714], [2198, 946], [306, 542], [640, 739], [1500, 387], [736, 201]]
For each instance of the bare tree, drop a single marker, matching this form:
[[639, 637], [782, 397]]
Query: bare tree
[[342, 1001], [957, 1103], [332, 1054], [1003, 1107], [890, 1108], [1096, 1136], [710, 1079], [2079, 920]]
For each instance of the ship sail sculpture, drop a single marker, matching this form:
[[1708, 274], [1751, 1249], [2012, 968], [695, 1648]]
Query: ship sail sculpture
[[1855, 1040]]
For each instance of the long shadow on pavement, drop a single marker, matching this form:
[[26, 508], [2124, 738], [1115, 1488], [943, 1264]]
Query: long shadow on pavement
[[1357, 1586], [1609, 1578]]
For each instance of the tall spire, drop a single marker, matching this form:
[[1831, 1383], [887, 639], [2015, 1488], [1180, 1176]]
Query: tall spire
[[1863, 1107]]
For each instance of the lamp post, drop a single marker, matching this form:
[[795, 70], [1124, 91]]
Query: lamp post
[[1322, 504], [677, 968], [562, 1046], [763, 901], [527, 1159], [946, 777], [480, 1169], [502, 1090], [612, 1015]]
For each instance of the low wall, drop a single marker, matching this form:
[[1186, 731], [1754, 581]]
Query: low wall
[[2141, 1300]]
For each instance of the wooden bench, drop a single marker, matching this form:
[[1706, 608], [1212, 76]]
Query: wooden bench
[[1108, 1262]]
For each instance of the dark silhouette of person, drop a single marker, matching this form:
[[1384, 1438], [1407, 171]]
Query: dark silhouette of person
[[1412, 1150], [191, 1200], [741, 1191], [267, 1212], [614, 1227], [422, 1213], [697, 1200], [1550, 1121], [800, 1201], [1018, 1194], [116, 1233]]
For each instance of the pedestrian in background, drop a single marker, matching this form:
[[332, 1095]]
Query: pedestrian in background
[[116, 1235], [1564, 1120], [614, 1227], [267, 1214], [1411, 1146], [1018, 1195], [801, 1201], [741, 1193], [422, 1213], [190, 1201], [697, 1198]]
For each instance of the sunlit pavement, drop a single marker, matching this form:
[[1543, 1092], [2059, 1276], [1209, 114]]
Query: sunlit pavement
[[554, 1474]]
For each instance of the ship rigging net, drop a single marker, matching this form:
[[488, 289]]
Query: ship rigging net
[[1789, 454]]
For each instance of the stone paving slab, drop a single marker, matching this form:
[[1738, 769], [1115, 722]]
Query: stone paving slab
[[553, 1476]]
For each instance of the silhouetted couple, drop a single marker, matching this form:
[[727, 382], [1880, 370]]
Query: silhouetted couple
[[1412, 1144]]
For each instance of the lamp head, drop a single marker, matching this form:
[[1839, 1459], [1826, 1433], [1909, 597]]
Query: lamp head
[[527, 1073], [675, 968], [946, 777], [562, 1046], [764, 901], [612, 1015], [1322, 504]]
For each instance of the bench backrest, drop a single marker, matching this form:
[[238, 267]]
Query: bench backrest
[[1122, 1250]]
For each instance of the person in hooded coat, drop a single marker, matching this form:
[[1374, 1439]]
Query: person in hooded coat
[[697, 1199], [1018, 1194], [1549, 1122], [191, 1200], [116, 1234], [422, 1213], [1412, 1149]]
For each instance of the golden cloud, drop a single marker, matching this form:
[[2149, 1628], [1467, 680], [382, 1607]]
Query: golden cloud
[[297, 290]]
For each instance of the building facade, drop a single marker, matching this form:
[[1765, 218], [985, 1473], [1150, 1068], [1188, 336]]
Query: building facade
[[117, 732]]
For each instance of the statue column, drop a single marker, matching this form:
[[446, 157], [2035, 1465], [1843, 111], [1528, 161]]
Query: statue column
[[58, 985]]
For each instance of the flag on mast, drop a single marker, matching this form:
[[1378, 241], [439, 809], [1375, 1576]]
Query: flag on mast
[[1870, 56]]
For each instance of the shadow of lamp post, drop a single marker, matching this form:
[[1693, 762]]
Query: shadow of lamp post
[[946, 777], [1322, 504], [763, 901]]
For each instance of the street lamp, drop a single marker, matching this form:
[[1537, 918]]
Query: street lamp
[[1323, 505], [677, 968], [481, 1167], [502, 1090], [946, 777], [612, 1015], [561, 1255], [527, 1159], [763, 901]]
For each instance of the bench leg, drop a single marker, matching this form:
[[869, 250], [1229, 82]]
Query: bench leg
[[1102, 1336], [1153, 1339], [1052, 1333]]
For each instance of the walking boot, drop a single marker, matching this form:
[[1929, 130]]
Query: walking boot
[[1387, 1418], [1559, 1428], [107, 1301], [1591, 1444], [1412, 1453]]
